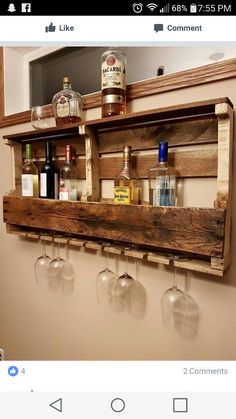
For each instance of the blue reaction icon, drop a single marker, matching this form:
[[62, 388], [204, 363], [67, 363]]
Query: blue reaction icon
[[13, 371]]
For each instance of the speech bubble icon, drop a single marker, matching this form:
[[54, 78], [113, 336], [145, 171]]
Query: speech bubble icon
[[158, 27]]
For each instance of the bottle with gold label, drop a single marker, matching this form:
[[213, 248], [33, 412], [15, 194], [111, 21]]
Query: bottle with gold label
[[126, 184], [67, 105], [113, 83]]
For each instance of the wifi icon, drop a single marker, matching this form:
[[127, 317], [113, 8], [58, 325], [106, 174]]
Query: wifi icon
[[152, 6]]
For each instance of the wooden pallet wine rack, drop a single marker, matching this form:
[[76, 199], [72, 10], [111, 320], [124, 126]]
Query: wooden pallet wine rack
[[201, 234]]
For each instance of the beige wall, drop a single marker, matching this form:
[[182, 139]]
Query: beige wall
[[37, 323]]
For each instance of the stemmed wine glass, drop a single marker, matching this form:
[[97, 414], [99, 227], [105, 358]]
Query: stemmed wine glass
[[103, 283], [67, 274], [169, 301], [137, 295], [54, 269], [41, 264], [120, 289]]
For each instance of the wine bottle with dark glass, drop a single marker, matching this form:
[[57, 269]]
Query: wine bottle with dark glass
[[49, 175]]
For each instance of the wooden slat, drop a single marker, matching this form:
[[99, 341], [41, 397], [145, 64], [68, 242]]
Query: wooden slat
[[137, 254], [38, 148], [77, 242], [196, 163], [198, 131], [92, 167], [93, 245], [225, 171], [194, 230], [198, 266], [158, 258]]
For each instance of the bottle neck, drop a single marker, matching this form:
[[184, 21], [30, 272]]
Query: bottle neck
[[68, 154], [28, 152], [66, 86], [126, 165], [126, 158], [48, 152]]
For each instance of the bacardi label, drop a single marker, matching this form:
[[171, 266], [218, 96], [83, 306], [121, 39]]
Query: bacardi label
[[113, 73]]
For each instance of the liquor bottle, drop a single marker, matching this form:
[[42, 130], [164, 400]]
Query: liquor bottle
[[29, 177], [126, 184], [67, 105], [49, 175], [68, 190], [113, 82], [162, 180]]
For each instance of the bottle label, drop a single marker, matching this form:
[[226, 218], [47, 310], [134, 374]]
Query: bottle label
[[165, 192], [63, 109], [122, 195], [68, 190], [43, 184], [27, 185], [113, 73], [113, 99], [56, 186], [64, 194]]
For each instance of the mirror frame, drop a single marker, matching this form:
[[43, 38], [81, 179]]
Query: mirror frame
[[188, 78]]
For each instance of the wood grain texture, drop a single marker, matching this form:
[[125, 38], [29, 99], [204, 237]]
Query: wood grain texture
[[196, 163], [199, 266], [194, 131], [92, 167], [193, 230], [201, 75], [225, 171]]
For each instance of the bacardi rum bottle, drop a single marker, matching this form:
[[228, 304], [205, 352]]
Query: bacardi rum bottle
[[113, 82]]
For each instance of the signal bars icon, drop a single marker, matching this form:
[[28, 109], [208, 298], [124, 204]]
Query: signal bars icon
[[165, 9], [152, 6]]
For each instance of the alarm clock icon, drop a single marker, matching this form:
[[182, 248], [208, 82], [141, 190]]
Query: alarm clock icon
[[137, 7]]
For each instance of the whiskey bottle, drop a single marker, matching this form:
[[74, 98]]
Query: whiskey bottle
[[162, 180], [49, 175], [113, 82], [126, 184], [29, 177], [67, 105], [68, 190]]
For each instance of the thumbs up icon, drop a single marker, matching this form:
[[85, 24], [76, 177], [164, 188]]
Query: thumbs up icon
[[50, 28]]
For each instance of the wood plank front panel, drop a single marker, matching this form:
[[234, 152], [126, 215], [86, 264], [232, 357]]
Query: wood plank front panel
[[197, 131], [196, 163], [194, 230]]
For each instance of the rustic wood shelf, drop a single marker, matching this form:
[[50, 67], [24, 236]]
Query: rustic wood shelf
[[203, 234]]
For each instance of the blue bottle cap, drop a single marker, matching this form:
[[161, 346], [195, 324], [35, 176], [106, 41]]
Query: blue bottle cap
[[163, 151]]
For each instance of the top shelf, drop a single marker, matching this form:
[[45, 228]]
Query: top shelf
[[170, 113]]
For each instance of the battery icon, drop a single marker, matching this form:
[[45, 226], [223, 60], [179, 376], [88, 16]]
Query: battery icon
[[193, 8]]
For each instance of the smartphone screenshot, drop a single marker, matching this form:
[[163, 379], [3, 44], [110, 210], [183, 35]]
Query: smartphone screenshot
[[117, 260]]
